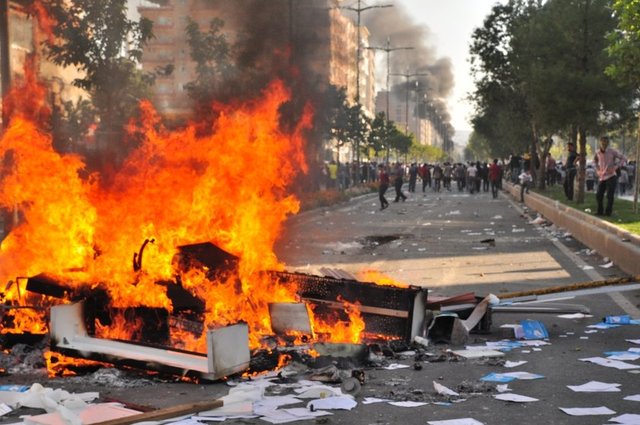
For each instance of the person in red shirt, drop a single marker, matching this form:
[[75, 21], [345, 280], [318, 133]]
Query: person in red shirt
[[494, 177], [383, 176]]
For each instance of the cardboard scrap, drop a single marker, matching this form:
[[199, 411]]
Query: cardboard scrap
[[91, 414]]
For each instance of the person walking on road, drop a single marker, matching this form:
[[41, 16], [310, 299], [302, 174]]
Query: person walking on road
[[398, 181], [570, 168], [494, 177], [383, 176], [607, 161], [413, 177]]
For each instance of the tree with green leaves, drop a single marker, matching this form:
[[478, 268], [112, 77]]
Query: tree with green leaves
[[211, 53], [541, 66], [561, 56], [377, 139], [399, 141], [106, 46], [624, 43], [502, 116], [71, 124]]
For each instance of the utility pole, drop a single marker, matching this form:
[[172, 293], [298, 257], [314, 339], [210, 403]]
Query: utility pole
[[5, 68], [388, 49], [359, 9], [637, 178], [407, 76]]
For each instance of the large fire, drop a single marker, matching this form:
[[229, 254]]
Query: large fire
[[228, 187]]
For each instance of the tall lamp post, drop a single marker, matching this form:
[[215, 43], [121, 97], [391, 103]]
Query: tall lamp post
[[407, 76], [388, 49], [359, 9]]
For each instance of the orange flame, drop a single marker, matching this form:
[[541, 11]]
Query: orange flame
[[379, 278], [228, 185], [337, 329], [46, 22]]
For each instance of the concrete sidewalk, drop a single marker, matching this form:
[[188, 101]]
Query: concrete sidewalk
[[620, 246]]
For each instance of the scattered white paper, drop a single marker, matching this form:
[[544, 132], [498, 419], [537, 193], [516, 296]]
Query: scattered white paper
[[239, 408], [595, 387], [610, 363], [586, 267], [463, 421], [516, 398], [629, 356], [587, 411], [407, 403], [283, 416], [277, 401], [394, 366], [635, 397], [441, 389], [478, 353], [534, 343], [603, 325], [511, 364], [342, 402], [574, 316], [626, 419], [4, 409], [591, 331], [371, 400], [318, 391], [192, 421], [503, 388], [607, 266], [525, 376]]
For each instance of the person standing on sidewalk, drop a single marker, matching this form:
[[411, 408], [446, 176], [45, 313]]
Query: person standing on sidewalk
[[383, 176], [607, 161], [570, 169], [525, 181]]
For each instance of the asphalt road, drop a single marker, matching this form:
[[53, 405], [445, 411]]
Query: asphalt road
[[435, 241]]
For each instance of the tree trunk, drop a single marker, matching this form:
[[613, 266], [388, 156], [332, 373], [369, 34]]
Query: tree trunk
[[582, 161], [533, 151]]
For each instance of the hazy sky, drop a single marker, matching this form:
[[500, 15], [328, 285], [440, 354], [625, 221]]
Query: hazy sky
[[450, 24]]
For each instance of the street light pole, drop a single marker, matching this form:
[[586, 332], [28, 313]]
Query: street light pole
[[407, 76], [359, 9], [388, 49]]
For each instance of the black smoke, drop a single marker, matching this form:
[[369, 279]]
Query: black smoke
[[396, 25]]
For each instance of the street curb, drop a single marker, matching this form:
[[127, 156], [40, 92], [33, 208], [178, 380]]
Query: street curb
[[622, 247]]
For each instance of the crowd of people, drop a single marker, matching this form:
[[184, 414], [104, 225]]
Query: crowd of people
[[608, 173]]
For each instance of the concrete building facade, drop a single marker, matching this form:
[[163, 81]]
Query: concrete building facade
[[333, 59]]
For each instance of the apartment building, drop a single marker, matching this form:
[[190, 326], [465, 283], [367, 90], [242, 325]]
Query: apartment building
[[21, 38], [321, 37]]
